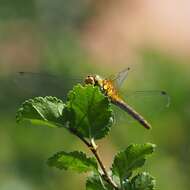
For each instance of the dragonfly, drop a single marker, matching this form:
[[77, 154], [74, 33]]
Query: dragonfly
[[110, 88]]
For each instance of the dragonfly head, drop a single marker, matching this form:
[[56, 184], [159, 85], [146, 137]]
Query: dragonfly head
[[93, 80]]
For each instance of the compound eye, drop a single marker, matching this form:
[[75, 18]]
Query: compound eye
[[89, 80]]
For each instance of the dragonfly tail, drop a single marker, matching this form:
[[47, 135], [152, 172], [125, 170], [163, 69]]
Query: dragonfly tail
[[132, 113]]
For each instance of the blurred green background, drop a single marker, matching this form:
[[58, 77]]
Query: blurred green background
[[59, 38]]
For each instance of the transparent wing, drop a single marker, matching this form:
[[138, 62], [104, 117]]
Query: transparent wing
[[121, 77], [41, 84], [158, 98], [149, 104]]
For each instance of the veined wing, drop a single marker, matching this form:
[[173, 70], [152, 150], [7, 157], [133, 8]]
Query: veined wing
[[149, 104], [42, 84], [121, 77], [150, 96]]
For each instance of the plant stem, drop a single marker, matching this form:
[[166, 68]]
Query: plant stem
[[106, 175], [93, 149]]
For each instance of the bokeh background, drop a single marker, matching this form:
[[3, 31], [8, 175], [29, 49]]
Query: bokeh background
[[69, 39]]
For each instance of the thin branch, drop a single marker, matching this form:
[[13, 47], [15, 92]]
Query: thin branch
[[106, 175], [93, 149]]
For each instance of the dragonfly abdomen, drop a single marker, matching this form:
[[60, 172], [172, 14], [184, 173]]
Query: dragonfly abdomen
[[132, 113]]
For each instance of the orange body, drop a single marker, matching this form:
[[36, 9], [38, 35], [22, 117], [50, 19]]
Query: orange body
[[110, 90]]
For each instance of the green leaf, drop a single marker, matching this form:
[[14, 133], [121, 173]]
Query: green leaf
[[96, 183], [142, 181], [42, 111], [88, 112], [130, 159], [77, 161]]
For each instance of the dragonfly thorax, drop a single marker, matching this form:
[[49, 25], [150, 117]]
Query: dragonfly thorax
[[106, 86]]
